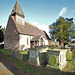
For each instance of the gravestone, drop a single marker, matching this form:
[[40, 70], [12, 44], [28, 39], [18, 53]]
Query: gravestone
[[18, 55], [57, 58], [37, 56]]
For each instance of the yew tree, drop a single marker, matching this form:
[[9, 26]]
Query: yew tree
[[60, 30]]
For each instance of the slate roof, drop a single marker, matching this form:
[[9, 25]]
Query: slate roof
[[17, 9], [29, 29]]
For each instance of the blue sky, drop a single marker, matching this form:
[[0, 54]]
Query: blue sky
[[41, 13]]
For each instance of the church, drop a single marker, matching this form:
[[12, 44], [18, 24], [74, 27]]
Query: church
[[20, 34]]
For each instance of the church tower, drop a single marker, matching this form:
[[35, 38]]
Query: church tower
[[18, 14]]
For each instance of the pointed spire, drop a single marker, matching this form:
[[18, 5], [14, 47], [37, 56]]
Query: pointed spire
[[17, 9]]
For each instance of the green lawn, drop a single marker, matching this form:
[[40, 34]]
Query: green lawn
[[70, 63], [23, 51], [5, 51], [68, 56], [33, 70]]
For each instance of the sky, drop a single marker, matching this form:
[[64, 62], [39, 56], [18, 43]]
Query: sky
[[40, 13]]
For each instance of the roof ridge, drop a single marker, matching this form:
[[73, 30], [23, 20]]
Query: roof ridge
[[31, 24], [34, 26]]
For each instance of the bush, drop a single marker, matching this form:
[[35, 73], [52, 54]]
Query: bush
[[53, 60], [73, 54]]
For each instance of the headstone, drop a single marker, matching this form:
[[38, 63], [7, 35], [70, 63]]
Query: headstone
[[58, 58]]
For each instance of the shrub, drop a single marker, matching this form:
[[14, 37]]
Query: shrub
[[53, 60], [73, 54]]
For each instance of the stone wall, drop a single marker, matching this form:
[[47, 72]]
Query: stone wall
[[11, 32]]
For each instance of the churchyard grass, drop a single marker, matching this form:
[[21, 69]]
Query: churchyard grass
[[5, 51], [68, 56], [70, 63], [33, 70], [23, 51]]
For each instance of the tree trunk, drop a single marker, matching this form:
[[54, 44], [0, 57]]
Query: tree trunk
[[62, 43]]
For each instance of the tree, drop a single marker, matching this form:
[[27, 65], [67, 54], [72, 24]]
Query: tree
[[72, 31], [1, 34], [60, 30]]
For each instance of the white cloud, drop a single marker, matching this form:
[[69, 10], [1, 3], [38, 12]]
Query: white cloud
[[63, 11], [42, 26]]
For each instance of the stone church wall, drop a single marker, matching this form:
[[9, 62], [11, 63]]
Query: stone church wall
[[11, 35]]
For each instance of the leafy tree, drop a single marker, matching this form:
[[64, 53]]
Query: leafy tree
[[60, 30], [1, 34], [72, 31]]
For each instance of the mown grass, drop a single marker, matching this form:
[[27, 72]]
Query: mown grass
[[70, 63], [23, 51], [33, 70], [68, 56], [5, 51], [25, 57]]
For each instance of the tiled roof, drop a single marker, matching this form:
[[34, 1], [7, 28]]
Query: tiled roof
[[29, 29], [17, 9], [35, 38]]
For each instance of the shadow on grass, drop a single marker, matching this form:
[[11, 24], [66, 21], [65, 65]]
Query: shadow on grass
[[33, 70], [8, 66], [25, 57], [29, 69]]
